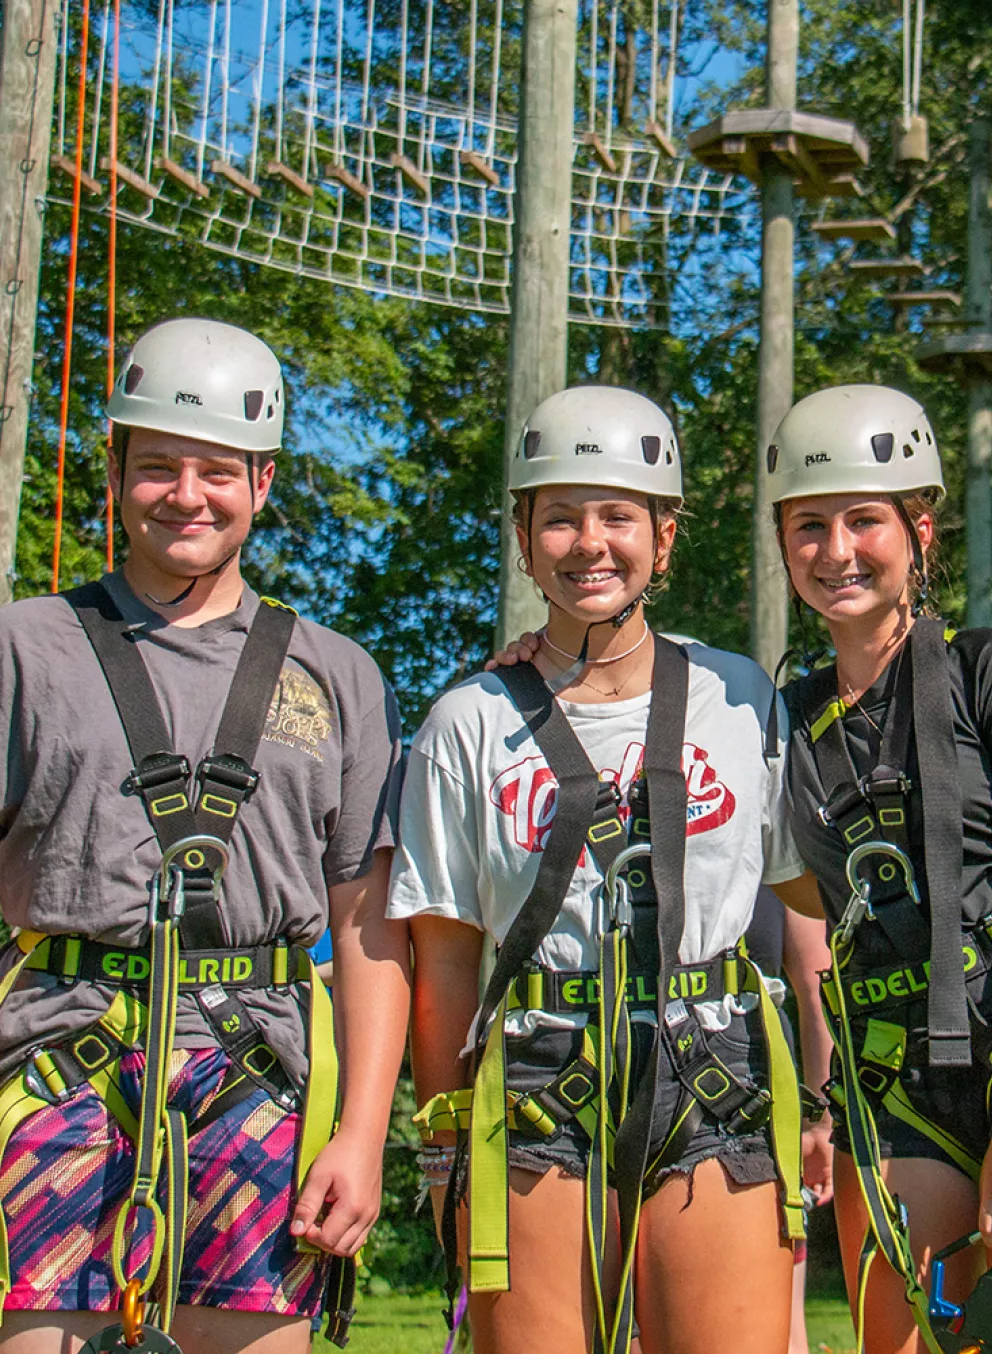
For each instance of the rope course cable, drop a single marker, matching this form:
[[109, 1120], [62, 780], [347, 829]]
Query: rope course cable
[[377, 149]]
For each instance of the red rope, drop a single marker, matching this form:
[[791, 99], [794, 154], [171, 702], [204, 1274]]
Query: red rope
[[70, 305], [112, 258]]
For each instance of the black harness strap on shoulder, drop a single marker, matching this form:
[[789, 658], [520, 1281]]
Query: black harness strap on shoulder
[[943, 836], [161, 776]]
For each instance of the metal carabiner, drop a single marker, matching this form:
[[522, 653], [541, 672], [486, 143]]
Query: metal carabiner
[[168, 883], [859, 905], [616, 891]]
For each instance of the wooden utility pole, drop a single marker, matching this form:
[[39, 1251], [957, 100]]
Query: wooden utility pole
[[541, 241], [28, 46], [979, 312], [769, 589]]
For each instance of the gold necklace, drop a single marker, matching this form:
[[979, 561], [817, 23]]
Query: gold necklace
[[603, 691], [853, 702]]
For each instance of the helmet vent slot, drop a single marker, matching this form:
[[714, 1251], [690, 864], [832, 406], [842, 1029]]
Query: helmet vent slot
[[907, 450], [133, 378], [254, 399], [772, 458], [532, 440], [882, 445], [651, 450], [916, 434], [670, 453]]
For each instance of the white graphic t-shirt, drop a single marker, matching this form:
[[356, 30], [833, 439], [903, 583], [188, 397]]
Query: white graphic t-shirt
[[479, 801]]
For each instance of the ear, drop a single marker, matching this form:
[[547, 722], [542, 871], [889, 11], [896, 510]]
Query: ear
[[263, 483], [666, 541], [523, 545], [924, 530], [114, 475]]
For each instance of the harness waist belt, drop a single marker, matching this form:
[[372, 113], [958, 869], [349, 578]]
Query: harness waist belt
[[574, 991], [76, 958], [873, 989]]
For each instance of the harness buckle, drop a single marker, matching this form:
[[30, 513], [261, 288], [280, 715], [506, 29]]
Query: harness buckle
[[159, 769], [37, 1084], [234, 772]]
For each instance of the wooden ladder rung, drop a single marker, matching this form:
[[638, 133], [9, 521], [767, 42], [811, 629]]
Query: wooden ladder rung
[[175, 171], [67, 166], [277, 170], [132, 178], [605, 158], [474, 161], [665, 144], [347, 179], [234, 176], [410, 172]]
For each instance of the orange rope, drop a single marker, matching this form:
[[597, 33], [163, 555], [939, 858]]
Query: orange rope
[[112, 257], [70, 305]]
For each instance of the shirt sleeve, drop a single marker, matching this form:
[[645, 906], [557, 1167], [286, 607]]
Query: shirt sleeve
[[781, 855], [436, 866], [370, 791]]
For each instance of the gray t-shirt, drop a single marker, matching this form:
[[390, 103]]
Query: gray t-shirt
[[76, 853]]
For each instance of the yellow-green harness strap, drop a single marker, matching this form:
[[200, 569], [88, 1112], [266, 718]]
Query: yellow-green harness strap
[[786, 1113], [320, 1103], [888, 1227], [488, 1166]]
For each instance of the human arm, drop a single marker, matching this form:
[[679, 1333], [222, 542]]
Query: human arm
[[804, 954], [371, 1007], [801, 895]]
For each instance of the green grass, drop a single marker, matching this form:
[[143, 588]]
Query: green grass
[[401, 1323]]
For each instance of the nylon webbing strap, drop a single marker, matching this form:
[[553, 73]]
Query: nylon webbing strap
[[226, 777], [667, 798], [933, 723]]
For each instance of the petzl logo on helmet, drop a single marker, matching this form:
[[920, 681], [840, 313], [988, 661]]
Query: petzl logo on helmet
[[817, 458], [588, 449], [187, 397]]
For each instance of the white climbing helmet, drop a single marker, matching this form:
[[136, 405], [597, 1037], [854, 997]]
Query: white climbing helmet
[[202, 379], [602, 436], [856, 439]]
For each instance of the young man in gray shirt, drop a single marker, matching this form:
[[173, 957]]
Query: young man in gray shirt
[[168, 1067]]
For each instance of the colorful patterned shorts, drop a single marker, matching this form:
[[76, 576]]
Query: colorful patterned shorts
[[69, 1166]]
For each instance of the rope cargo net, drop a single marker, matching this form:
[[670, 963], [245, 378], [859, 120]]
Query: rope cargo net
[[373, 145]]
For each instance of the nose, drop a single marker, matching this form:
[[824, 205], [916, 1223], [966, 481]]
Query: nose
[[590, 539], [839, 542], [187, 493]]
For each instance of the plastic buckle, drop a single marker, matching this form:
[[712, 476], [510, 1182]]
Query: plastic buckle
[[159, 769], [842, 800], [234, 772]]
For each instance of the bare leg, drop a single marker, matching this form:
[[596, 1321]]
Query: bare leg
[[798, 1341], [550, 1305], [198, 1330], [942, 1205], [712, 1270]]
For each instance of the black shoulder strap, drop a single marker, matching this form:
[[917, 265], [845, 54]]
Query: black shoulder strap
[[161, 775], [943, 837]]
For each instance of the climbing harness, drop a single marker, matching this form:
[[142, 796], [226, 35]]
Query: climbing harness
[[865, 1001], [186, 951], [638, 969], [966, 1329]]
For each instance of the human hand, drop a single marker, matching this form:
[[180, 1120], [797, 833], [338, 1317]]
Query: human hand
[[520, 650], [818, 1160], [340, 1197], [985, 1199]]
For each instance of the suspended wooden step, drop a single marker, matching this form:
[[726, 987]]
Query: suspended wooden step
[[820, 153], [346, 179], [883, 268], [235, 177], [604, 156], [874, 228], [664, 143], [133, 179], [958, 354], [189, 181], [66, 166], [939, 296], [411, 173], [473, 160], [277, 170]]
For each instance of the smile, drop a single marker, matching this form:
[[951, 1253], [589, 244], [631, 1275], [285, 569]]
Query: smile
[[592, 576], [848, 581]]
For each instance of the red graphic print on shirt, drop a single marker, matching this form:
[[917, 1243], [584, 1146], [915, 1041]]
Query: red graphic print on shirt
[[528, 793]]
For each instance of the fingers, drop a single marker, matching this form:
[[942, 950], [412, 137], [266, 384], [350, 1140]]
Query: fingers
[[342, 1229], [520, 650]]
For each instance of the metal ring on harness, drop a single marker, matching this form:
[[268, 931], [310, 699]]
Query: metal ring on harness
[[167, 885], [859, 904], [615, 889]]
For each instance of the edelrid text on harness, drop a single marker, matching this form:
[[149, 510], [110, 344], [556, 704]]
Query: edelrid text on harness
[[193, 815], [866, 1003], [595, 1090]]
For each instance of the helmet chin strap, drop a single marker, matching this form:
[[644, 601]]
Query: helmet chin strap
[[211, 573], [570, 674], [919, 559]]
